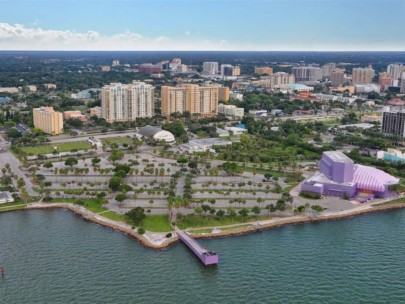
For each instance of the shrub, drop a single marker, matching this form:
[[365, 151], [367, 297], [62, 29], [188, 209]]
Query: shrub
[[309, 194], [169, 235], [141, 230]]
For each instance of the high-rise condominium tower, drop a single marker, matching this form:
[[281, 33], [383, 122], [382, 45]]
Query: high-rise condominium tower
[[127, 102], [200, 100]]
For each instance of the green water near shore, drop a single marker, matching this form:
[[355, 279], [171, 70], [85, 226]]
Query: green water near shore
[[56, 257]]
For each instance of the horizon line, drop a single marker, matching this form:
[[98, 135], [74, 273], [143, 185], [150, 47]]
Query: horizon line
[[258, 51]]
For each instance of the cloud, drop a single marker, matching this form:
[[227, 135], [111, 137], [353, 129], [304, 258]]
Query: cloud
[[21, 37], [187, 33]]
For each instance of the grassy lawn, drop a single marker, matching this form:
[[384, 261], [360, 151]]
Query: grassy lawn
[[12, 206], [157, 223], [204, 221], [92, 204], [63, 147], [114, 216], [116, 140], [394, 201], [201, 231]]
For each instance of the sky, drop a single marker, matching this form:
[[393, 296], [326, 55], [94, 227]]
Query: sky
[[245, 25]]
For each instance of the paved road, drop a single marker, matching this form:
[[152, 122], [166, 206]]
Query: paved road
[[8, 157]]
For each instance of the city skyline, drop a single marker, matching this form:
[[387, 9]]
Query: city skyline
[[225, 25]]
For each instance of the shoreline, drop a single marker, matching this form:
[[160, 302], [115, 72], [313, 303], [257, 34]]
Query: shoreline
[[252, 228]]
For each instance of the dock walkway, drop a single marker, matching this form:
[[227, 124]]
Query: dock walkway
[[206, 256]]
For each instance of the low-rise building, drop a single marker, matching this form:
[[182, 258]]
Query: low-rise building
[[298, 87], [259, 113], [204, 145], [6, 197], [74, 115], [367, 88], [263, 70], [371, 118], [156, 134], [11, 90], [231, 111], [96, 111], [236, 95], [50, 86], [105, 68], [393, 155]]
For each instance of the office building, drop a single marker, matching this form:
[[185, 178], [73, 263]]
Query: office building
[[367, 88], [362, 75], [198, 100], [263, 70], [127, 102], [229, 70], [231, 111], [47, 120], [149, 68], [327, 69], [337, 77], [210, 68], [393, 123], [182, 68], [307, 74]]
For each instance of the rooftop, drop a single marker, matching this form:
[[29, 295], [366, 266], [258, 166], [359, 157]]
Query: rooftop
[[338, 156]]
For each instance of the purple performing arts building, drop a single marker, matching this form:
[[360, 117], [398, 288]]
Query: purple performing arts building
[[339, 176]]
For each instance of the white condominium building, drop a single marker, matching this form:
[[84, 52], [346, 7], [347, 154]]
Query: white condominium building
[[127, 102], [210, 68]]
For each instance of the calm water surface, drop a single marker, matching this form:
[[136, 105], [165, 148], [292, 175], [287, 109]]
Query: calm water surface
[[56, 257]]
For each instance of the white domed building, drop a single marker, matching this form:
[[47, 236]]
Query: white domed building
[[156, 134]]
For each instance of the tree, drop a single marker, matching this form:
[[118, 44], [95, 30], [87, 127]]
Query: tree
[[280, 205], [20, 183], [71, 161], [120, 197], [115, 183], [244, 213], [256, 210], [136, 215], [48, 165], [13, 133], [220, 213], [193, 164], [182, 159], [95, 160]]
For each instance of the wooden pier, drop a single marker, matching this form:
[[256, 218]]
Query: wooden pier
[[206, 256]]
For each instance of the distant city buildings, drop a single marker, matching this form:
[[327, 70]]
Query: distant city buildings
[[115, 63], [263, 70], [307, 74], [402, 83], [149, 68], [367, 88], [50, 86], [210, 68], [228, 70], [362, 75], [127, 102], [393, 123], [278, 80], [47, 120], [384, 80], [11, 90], [337, 77], [231, 111], [198, 100], [395, 70], [327, 69], [105, 68]]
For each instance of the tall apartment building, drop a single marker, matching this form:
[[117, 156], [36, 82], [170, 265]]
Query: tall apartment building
[[384, 80], [263, 70], [48, 120], [327, 69], [395, 70], [236, 71], [278, 80], [402, 83], [202, 100], [393, 123], [307, 74], [362, 75], [337, 77], [223, 93], [127, 102], [210, 68]]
